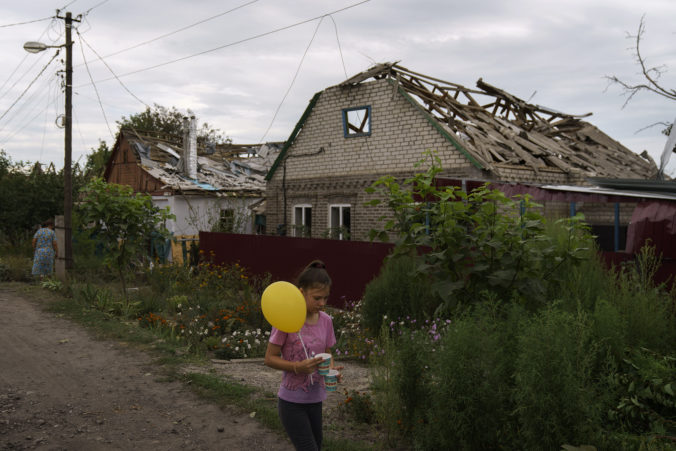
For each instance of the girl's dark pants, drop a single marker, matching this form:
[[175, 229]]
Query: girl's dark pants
[[303, 424]]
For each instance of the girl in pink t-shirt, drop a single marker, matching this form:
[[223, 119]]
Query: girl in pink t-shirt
[[302, 389]]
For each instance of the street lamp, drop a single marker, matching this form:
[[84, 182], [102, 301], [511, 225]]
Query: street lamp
[[35, 47]]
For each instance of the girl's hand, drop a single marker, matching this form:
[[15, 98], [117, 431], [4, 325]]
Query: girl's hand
[[307, 366]]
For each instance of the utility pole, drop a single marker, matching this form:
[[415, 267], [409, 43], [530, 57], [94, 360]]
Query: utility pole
[[35, 47], [68, 146]]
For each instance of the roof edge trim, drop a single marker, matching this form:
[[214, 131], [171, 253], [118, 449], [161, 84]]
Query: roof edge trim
[[436, 125], [294, 133]]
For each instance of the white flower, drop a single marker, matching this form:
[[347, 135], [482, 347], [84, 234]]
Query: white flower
[[267, 332], [179, 305], [246, 334], [224, 339], [236, 348], [257, 341], [206, 331], [248, 345], [258, 331]]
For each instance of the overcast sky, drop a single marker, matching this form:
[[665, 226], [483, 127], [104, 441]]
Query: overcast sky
[[235, 63]]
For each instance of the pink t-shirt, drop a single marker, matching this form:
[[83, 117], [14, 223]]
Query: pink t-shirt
[[300, 388]]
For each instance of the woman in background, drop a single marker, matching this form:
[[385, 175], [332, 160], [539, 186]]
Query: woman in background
[[45, 248]]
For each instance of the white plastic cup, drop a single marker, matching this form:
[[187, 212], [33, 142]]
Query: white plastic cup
[[331, 380], [323, 367]]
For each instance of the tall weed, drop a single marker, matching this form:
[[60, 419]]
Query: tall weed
[[397, 292], [470, 390], [556, 390]]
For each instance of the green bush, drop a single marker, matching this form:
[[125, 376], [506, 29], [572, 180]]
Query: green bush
[[557, 394], [470, 391], [646, 383], [396, 293], [15, 268]]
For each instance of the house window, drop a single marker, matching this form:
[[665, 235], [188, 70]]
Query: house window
[[339, 221], [357, 121], [302, 220], [226, 221]]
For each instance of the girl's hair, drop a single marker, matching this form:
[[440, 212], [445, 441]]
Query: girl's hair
[[314, 274]]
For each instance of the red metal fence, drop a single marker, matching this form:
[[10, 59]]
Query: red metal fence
[[351, 264]]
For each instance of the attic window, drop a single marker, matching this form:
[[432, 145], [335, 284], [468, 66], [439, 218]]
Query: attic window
[[357, 121]]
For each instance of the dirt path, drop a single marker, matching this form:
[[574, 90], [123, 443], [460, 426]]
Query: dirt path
[[62, 390]]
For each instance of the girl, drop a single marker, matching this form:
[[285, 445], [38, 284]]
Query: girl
[[302, 389]]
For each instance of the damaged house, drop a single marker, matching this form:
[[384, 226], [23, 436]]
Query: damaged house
[[382, 121], [212, 188]]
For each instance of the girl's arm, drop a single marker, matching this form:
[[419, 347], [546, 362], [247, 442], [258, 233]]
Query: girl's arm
[[273, 359]]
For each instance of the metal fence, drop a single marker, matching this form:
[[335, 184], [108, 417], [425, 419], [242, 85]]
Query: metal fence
[[351, 264]]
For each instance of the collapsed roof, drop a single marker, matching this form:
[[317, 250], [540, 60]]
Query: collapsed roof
[[494, 128], [222, 169]]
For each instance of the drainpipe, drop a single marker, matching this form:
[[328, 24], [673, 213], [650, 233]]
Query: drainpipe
[[284, 195]]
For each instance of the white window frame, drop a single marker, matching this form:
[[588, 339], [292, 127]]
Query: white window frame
[[340, 219], [303, 219]]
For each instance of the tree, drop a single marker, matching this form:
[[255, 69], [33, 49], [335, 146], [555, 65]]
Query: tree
[[167, 121], [29, 194], [651, 76], [122, 221], [96, 161]]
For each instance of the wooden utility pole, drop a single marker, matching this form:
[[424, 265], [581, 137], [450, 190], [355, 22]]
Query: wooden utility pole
[[68, 148]]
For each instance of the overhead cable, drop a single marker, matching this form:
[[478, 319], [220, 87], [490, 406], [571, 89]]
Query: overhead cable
[[93, 7], [179, 30], [21, 63], [24, 23], [231, 44], [292, 81], [84, 58], [29, 85], [340, 50], [111, 71]]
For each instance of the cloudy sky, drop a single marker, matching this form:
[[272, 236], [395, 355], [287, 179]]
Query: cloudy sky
[[249, 67]]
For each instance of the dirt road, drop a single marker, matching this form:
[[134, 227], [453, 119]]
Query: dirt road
[[62, 390]]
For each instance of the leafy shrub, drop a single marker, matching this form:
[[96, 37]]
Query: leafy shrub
[[397, 292], [469, 385], [357, 406], [478, 242], [15, 268], [557, 397], [646, 382]]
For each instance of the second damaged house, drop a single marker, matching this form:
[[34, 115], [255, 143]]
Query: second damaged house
[[212, 188], [382, 121]]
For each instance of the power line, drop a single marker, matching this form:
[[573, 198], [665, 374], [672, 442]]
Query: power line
[[340, 50], [292, 81], [84, 58], [111, 71], [21, 63], [24, 23], [29, 85], [277, 30], [179, 30], [93, 7]]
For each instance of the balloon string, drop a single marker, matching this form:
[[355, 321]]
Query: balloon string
[[306, 354]]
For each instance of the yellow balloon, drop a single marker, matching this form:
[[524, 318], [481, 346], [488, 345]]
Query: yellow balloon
[[284, 306]]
